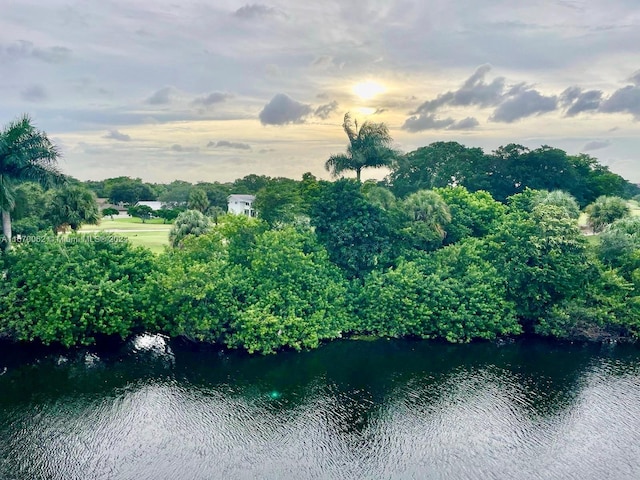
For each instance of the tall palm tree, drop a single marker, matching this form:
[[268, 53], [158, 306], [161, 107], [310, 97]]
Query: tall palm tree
[[369, 146], [25, 154]]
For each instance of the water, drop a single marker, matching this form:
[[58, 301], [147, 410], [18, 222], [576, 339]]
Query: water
[[350, 410]]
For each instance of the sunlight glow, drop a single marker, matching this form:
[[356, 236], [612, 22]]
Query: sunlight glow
[[369, 89]]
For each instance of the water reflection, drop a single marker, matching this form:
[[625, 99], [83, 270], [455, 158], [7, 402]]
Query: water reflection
[[384, 409]]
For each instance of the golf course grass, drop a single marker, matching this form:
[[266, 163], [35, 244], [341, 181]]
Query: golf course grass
[[152, 234]]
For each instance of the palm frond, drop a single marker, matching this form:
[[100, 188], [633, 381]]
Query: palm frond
[[7, 197], [338, 164]]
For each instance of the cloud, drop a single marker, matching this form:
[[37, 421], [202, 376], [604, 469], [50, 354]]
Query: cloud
[[418, 123], [228, 144], [116, 135], [576, 101], [34, 93], [524, 103], [176, 147], [161, 97], [464, 124], [623, 100], [323, 111], [569, 96], [323, 61], [596, 145], [255, 10], [474, 91], [23, 49], [282, 109], [212, 99], [635, 78]]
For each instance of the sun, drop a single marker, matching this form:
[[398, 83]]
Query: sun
[[369, 89]]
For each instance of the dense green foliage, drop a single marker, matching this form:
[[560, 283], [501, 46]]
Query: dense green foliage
[[127, 190], [505, 172], [606, 210], [70, 289], [189, 222], [283, 293], [355, 232], [619, 248], [456, 244], [73, 206], [452, 294], [26, 154]]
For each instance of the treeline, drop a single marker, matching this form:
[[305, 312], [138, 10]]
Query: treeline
[[504, 172], [335, 259]]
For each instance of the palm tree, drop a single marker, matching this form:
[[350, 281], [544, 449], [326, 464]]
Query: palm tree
[[25, 154], [189, 222], [74, 206], [428, 207], [369, 146]]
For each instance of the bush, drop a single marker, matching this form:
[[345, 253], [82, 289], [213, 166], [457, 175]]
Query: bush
[[70, 289], [451, 294]]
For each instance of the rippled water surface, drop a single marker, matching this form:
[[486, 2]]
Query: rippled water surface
[[350, 410]]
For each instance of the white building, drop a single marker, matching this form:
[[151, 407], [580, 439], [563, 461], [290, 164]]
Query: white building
[[241, 205]]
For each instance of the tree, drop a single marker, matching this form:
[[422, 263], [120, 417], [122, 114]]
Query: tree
[[167, 214], [440, 164], [606, 210], [381, 197], [427, 215], [25, 154], [143, 212], [620, 246], [543, 257], [176, 193], [563, 200], [190, 222], [110, 212], [452, 293], [296, 296], [250, 184], [472, 214], [28, 216], [279, 201], [369, 147], [198, 200], [128, 190], [355, 233], [71, 291], [73, 206], [217, 194]]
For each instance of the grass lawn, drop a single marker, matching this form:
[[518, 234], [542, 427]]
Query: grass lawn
[[152, 234]]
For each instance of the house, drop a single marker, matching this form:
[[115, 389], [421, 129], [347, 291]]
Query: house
[[104, 203], [241, 205]]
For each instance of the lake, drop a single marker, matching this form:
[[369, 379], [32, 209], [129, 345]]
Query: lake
[[385, 409]]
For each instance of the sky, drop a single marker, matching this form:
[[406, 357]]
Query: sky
[[216, 90]]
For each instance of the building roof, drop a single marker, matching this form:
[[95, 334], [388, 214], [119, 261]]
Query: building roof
[[241, 198]]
